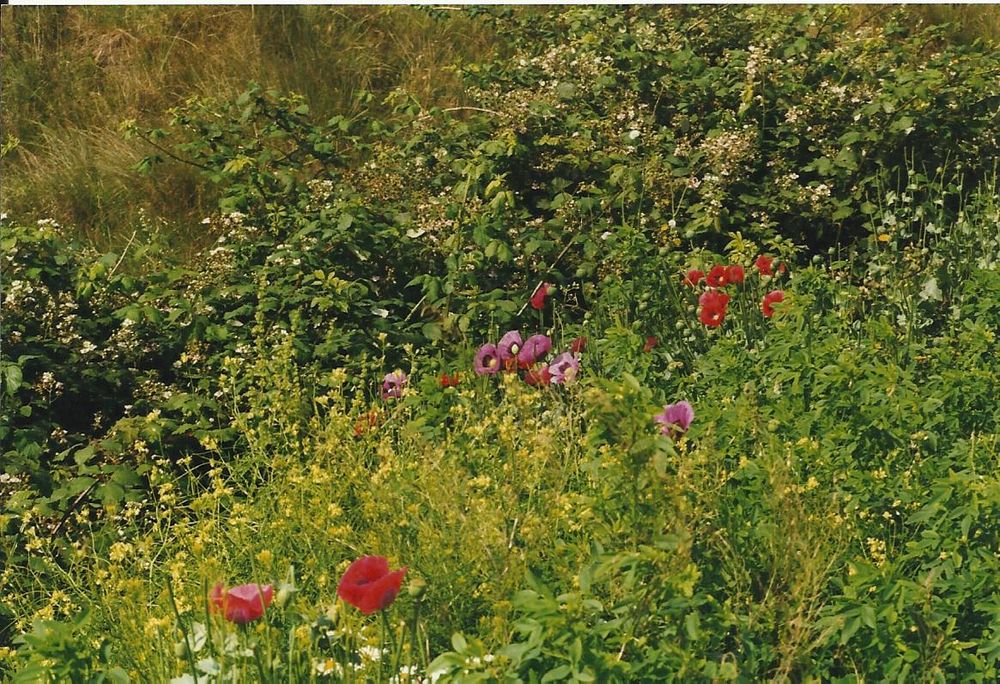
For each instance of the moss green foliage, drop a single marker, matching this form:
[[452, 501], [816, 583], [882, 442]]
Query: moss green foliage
[[169, 423]]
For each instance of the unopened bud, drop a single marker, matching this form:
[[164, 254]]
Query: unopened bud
[[417, 587]]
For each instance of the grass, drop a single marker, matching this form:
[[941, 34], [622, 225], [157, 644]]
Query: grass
[[70, 75]]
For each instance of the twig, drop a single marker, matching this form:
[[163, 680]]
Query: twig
[[72, 507], [124, 252], [551, 266]]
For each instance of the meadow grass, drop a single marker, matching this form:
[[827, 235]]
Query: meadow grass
[[71, 75]]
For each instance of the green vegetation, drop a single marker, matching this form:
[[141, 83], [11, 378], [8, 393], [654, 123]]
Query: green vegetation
[[301, 392]]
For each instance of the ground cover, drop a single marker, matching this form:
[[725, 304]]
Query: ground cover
[[670, 355]]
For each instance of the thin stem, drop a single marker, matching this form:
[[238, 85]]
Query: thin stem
[[180, 625]]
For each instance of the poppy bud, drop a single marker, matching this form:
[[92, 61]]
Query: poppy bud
[[417, 587]]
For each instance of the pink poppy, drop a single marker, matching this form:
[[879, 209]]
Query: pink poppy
[[368, 585], [534, 348], [509, 345], [241, 604], [676, 418], [564, 368], [393, 384], [487, 360]]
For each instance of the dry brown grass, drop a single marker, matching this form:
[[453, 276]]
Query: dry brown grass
[[71, 74]]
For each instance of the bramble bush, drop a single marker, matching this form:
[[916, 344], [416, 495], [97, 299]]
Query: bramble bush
[[785, 223]]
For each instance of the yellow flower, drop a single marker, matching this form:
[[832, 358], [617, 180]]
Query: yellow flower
[[884, 237]]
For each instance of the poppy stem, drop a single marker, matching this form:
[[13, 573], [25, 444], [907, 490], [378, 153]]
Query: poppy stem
[[180, 626], [387, 630]]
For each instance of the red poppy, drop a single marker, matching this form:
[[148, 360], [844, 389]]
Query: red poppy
[[366, 421], [543, 291], [241, 604], [693, 277], [770, 299], [540, 376], [449, 380], [735, 273], [577, 345], [368, 585], [763, 264], [713, 308], [717, 277], [650, 343]]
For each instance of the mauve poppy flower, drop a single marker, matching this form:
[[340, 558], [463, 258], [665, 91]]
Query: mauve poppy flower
[[770, 299], [368, 585], [675, 417], [564, 368], [449, 380], [509, 345], [534, 348], [393, 384], [650, 343], [717, 277], [540, 376], [735, 273], [241, 604], [543, 291], [713, 308], [577, 345], [693, 277], [487, 360], [763, 265]]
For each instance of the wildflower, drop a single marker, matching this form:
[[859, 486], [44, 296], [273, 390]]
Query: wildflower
[[770, 299], [487, 360], [650, 343], [713, 308], [693, 277], [534, 348], [564, 368], [577, 345], [392, 385], [763, 265], [449, 380], [717, 277], [509, 345], [543, 291], [365, 422], [368, 585], [735, 274], [241, 604], [540, 376], [676, 418]]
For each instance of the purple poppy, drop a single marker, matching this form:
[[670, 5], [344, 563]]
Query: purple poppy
[[564, 368], [509, 345], [535, 347], [675, 417], [392, 385], [487, 360]]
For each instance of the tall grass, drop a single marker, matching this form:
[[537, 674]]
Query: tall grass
[[70, 75]]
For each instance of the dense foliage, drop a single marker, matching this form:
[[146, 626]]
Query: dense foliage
[[827, 516]]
